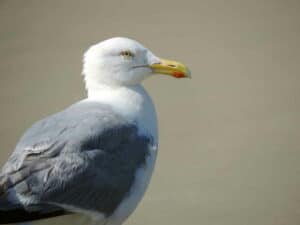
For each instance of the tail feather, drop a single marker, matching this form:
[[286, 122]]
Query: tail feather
[[14, 212], [21, 215]]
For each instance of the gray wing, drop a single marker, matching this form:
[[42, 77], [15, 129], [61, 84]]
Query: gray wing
[[84, 157]]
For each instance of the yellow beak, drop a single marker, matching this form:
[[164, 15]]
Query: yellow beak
[[173, 68]]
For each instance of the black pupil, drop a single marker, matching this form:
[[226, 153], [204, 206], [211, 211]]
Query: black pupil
[[127, 53]]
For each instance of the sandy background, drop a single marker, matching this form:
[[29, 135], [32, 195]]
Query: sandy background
[[229, 138]]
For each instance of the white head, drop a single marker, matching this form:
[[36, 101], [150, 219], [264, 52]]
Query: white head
[[124, 62]]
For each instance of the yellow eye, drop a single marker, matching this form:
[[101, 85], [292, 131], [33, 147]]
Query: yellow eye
[[127, 54]]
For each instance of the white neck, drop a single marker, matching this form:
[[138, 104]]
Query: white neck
[[132, 102]]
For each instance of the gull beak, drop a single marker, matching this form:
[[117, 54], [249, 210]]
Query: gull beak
[[172, 68]]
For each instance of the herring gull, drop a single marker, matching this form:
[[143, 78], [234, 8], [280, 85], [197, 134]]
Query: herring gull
[[95, 157]]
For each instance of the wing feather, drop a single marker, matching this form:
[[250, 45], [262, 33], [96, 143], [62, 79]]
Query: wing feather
[[83, 158]]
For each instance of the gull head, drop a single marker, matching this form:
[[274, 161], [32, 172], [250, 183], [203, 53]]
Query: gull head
[[124, 62]]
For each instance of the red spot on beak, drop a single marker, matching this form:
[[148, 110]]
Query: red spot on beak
[[178, 74]]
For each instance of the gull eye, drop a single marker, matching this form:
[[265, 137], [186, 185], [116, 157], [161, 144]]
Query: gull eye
[[127, 54]]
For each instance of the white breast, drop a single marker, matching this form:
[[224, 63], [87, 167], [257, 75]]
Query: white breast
[[132, 102]]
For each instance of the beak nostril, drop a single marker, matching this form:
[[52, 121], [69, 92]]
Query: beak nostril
[[170, 65]]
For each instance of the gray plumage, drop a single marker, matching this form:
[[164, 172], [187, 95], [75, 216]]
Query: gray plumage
[[83, 157]]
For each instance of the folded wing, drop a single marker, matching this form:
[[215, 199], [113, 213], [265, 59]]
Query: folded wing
[[82, 159]]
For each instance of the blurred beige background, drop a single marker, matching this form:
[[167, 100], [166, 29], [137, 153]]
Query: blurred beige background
[[229, 138]]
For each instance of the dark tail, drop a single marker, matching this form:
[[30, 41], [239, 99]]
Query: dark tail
[[21, 215], [16, 213], [11, 212]]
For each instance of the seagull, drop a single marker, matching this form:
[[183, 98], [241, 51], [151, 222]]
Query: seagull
[[96, 157]]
